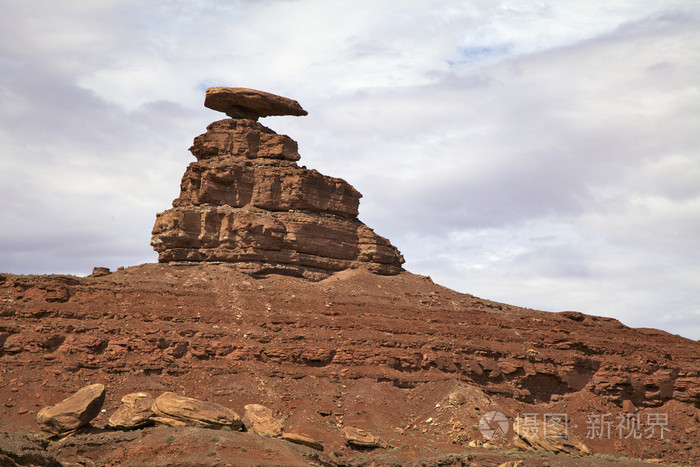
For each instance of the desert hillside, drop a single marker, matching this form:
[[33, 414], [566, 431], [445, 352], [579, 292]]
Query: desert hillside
[[411, 362]]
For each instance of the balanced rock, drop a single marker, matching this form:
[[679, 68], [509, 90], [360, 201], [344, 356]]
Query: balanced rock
[[246, 201], [361, 438], [259, 419], [176, 410], [250, 103], [134, 411], [74, 412]]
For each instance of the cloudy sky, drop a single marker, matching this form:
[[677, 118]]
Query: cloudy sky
[[541, 153]]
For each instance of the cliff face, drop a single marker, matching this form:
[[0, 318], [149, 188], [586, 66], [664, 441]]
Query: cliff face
[[246, 201]]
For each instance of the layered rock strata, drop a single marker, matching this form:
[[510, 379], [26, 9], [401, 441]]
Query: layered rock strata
[[246, 201]]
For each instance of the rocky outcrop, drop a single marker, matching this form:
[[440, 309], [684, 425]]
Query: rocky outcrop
[[74, 412], [246, 201]]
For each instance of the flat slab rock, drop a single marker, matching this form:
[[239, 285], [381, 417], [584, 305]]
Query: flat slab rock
[[74, 412], [250, 103]]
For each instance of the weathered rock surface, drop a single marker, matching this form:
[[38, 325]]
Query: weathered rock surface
[[360, 437], [551, 437], [260, 419], [250, 103], [74, 412], [134, 411], [176, 410], [245, 201]]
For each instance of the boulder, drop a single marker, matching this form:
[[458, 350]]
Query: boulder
[[134, 411], [550, 437], [175, 410], [259, 419], [361, 438], [250, 103], [74, 412]]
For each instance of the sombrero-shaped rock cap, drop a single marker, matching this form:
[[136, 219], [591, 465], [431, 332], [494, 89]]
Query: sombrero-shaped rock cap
[[250, 103]]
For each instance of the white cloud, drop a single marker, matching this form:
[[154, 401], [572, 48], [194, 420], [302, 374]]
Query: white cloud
[[539, 153]]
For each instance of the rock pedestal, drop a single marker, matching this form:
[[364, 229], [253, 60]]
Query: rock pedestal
[[246, 201]]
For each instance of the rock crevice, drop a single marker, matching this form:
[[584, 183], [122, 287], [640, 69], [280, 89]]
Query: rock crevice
[[245, 201]]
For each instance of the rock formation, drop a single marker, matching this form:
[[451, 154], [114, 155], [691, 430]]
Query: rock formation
[[246, 201]]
